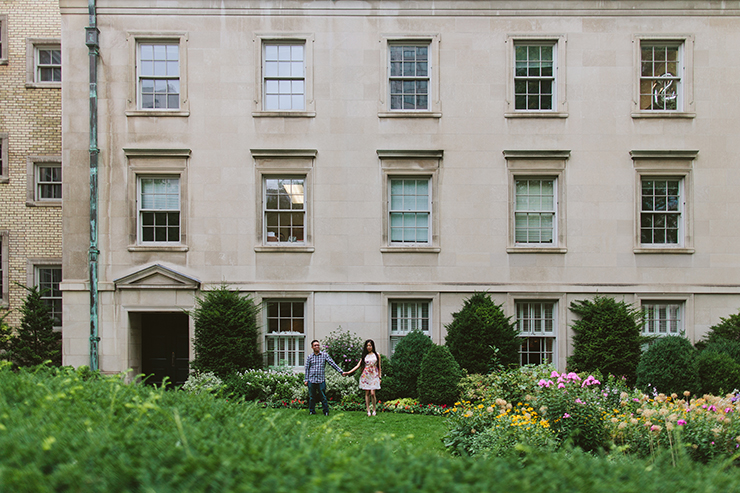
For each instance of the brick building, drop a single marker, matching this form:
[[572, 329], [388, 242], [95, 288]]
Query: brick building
[[30, 155]]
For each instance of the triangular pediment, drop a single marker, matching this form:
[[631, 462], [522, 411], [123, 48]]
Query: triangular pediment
[[157, 277]]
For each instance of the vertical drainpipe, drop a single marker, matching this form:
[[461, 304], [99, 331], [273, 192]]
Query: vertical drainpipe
[[91, 40]]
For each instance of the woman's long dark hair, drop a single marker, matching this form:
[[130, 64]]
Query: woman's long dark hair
[[365, 352]]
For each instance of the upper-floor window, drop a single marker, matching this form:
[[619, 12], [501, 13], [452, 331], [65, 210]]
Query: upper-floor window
[[409, 210], [43, 63], [159, 76], [48, 64], [3, 39], [535, 216], [3, 157], [660, 76], [661, 211], [409, 76], [534, 76], [48, 182], [285, 209], [284, 76], [159, 209]]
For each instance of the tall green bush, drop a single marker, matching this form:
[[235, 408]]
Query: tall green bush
[[481, 338], [406, 361], [726, 346], [718, 372], [388, 382], [607, 338], [439, 381], [727, 329], [225, 333], [35, 341], [669, 366]]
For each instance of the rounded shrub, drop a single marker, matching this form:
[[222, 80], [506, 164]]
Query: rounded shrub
[[344, 347], [607, 338], [726, 346], [669, 366], [406, 361], [481, 338], [440, 377], [718, 372]]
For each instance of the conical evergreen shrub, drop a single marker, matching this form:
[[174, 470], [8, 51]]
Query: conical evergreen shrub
[[35, 340], [226, 333], [406, 361], [481, 338]]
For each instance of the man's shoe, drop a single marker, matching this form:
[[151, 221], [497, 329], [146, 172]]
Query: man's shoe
[[326, 413], [311, 412]]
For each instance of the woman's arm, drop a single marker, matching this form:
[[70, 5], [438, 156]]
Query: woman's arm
[[352, 370]]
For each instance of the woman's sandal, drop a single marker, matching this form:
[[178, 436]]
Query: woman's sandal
[[373, 413], [368, 412]]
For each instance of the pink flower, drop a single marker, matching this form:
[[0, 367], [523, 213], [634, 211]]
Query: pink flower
[[554, 374], [728, 410], [566, 415], [561, 385], [579, 401], [681, 422]]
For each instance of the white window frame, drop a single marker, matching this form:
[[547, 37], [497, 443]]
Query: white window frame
[[539, 212], [686, 308], [539, 334], [685, 107], [396, 336], [260, 40], [4, 39], [559, 98], [412, 165], [288, 336], [140, 211], [4, 164], [434, 106], [295, 196], [538, 164], [133, 103], [157, 162], [50, 298], [665, 164], [4, 266], [277, 163], [33, 45], [33, 164], [422, 214]]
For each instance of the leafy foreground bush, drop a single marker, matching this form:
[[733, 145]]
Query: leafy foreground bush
[[62, 432]]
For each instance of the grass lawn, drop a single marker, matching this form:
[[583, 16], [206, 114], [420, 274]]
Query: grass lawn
[[353, 428]]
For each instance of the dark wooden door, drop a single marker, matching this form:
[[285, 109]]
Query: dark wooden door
[[165, 345]]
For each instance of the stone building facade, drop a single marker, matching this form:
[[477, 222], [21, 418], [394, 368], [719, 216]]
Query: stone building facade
[[30, 154], [372, 164]]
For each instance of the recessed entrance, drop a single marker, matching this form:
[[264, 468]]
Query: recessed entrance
[[165, 347]]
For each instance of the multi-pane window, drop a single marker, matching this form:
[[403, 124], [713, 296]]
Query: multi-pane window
[[285, 336], [660, 211], [284, 76], [48, 279], [159, 76], [48, 64], [285, 209], [660, 76], [534, 215], [409, 210], [48, 182], [3, 156], [534, 76], [408, 315], [159, 209], [409, 77], [537, 328], [3, 41], [660, 319]]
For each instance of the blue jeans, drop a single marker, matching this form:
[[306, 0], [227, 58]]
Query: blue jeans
[[317, 391]]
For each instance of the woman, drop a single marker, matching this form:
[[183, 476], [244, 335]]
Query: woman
[[370, 376]]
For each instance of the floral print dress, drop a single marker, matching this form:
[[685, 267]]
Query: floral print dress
[[370, 378]]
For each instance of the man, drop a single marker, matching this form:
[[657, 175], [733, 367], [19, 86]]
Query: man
[[315, 377]]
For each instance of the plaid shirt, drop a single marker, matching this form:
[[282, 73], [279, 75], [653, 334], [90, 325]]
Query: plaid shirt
[[315, 364]]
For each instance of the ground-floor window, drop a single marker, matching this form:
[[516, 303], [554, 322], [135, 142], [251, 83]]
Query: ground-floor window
[[47, 279], [408, 315], [537, 326], [285, 339], [661, 318]]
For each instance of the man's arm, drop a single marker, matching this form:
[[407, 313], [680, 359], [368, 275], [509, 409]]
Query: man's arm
[[307, 369], [331, 362]]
